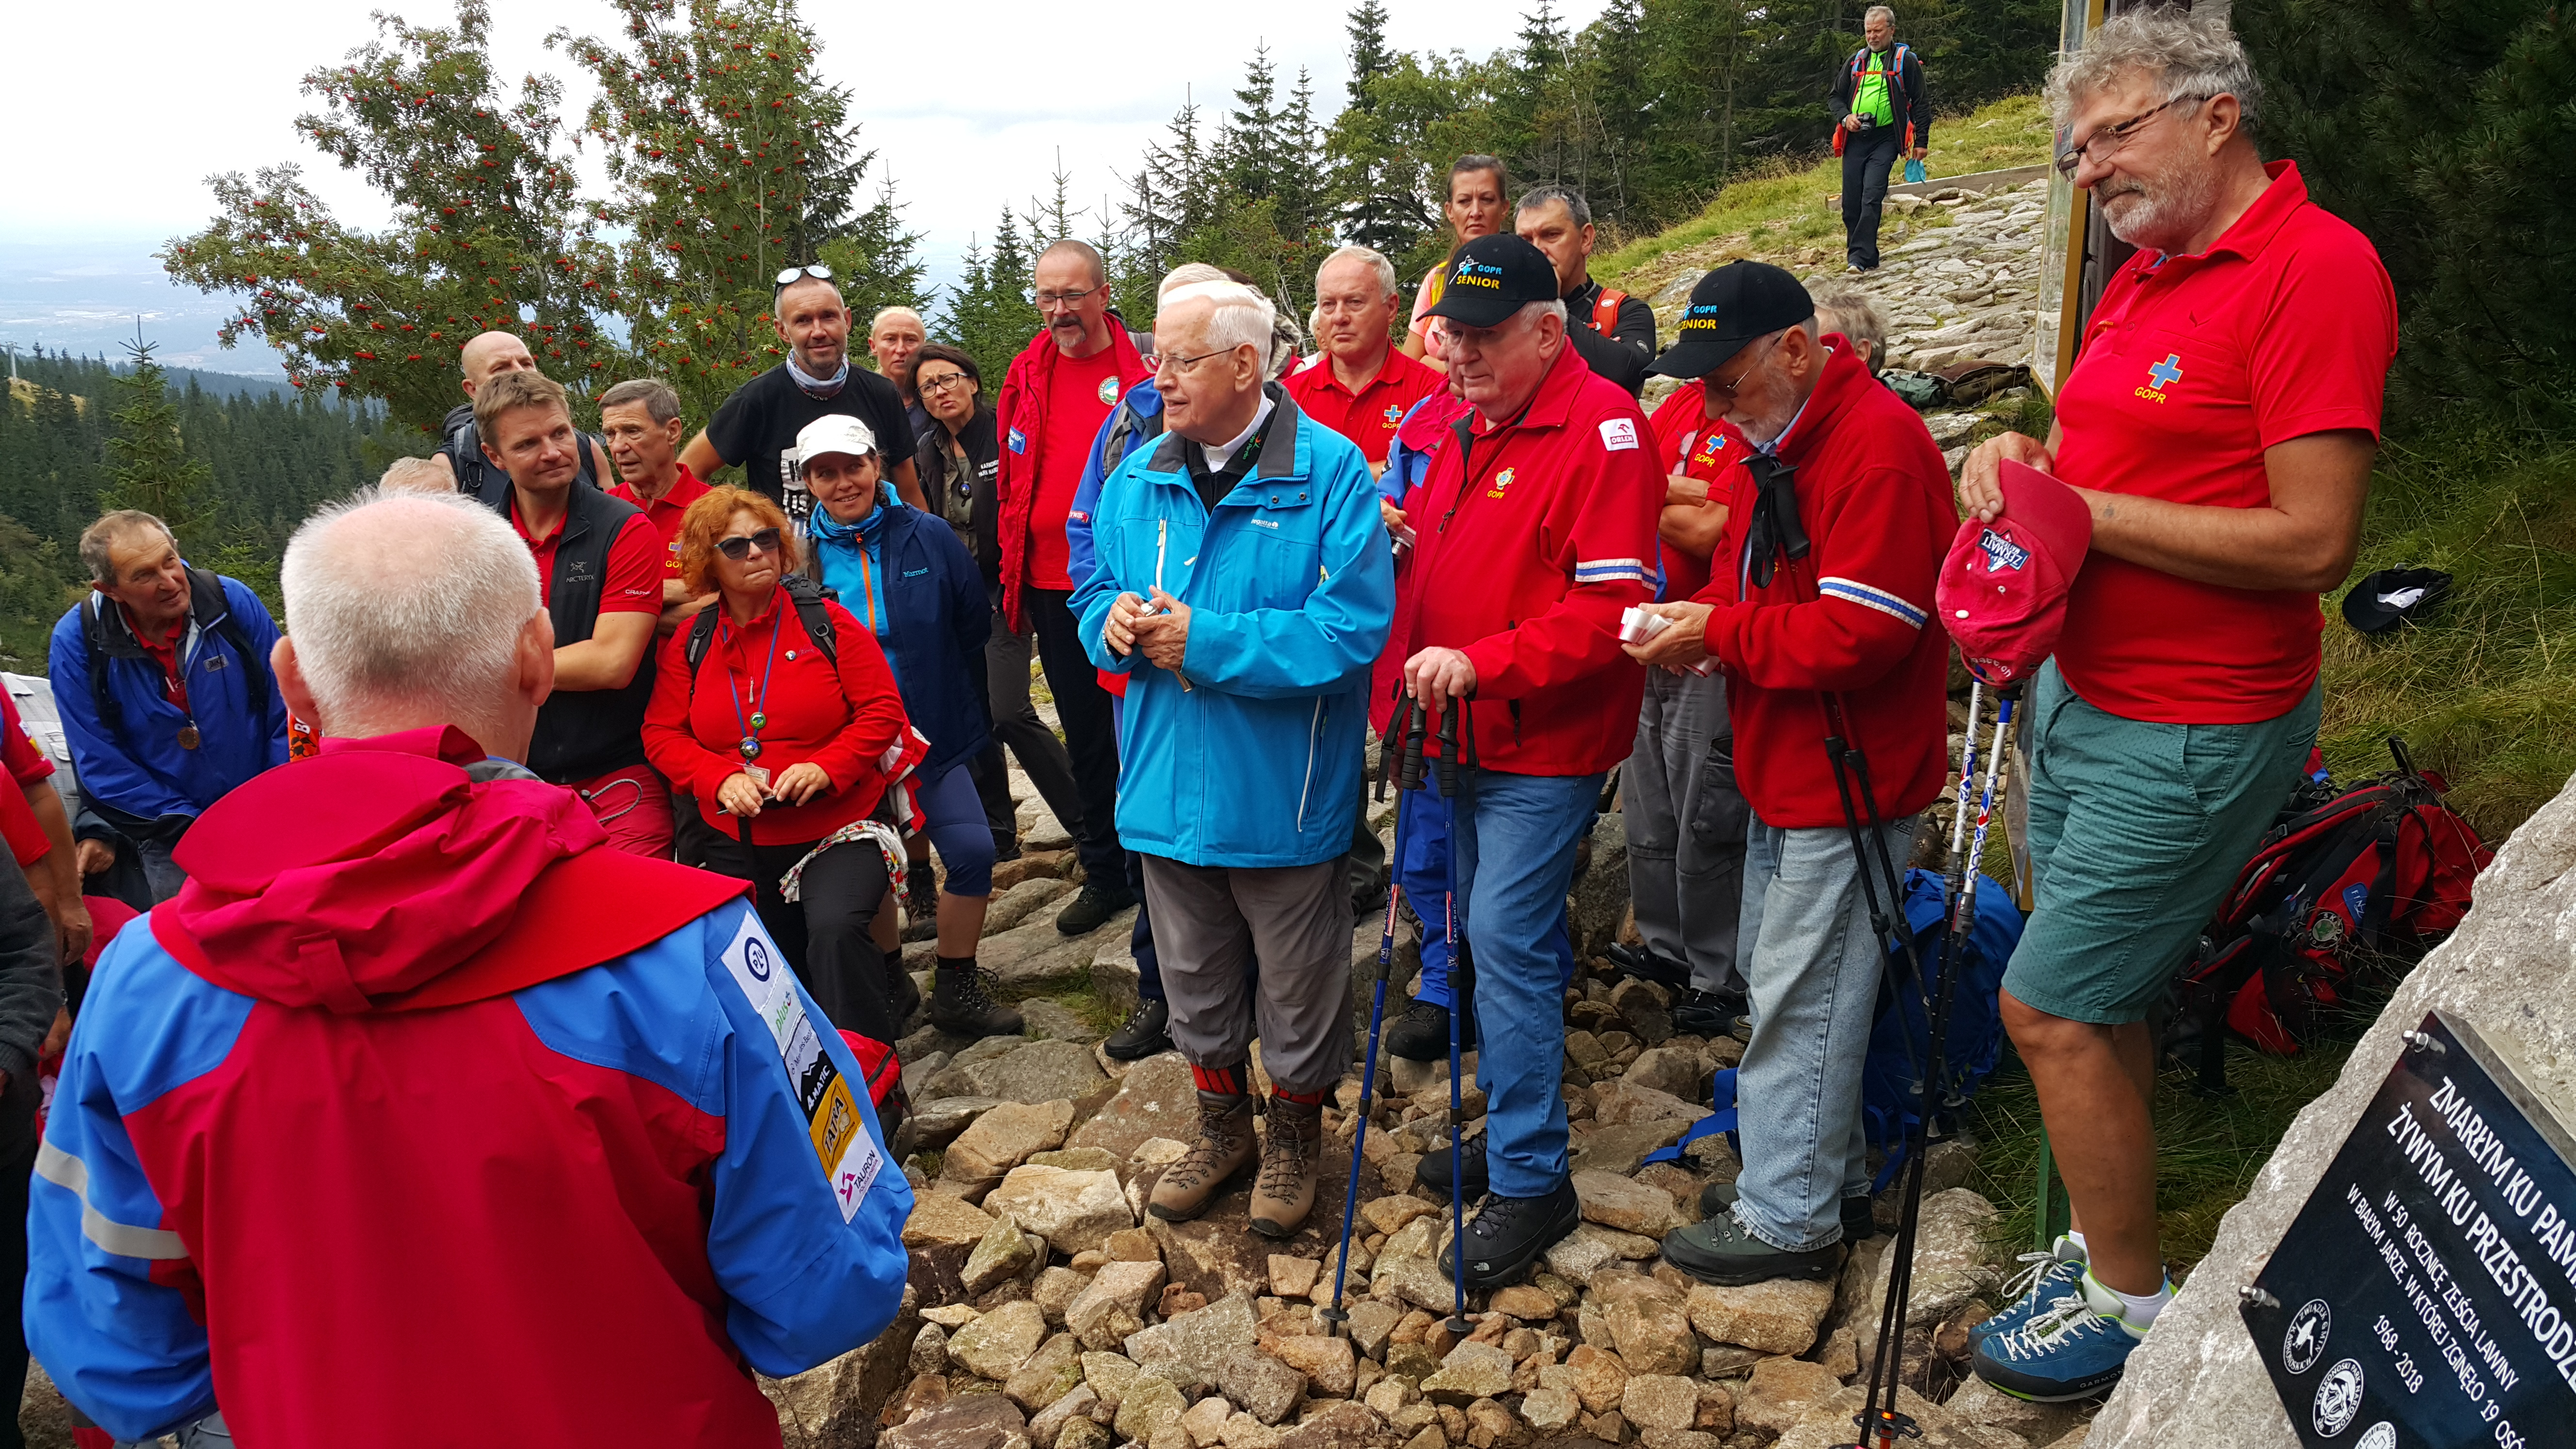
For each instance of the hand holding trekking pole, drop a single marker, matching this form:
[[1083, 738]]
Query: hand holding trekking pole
[[1164, 632], [1432, 675]]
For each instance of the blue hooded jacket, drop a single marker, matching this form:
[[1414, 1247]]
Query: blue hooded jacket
[[1137, 419], [937, 620], [1291, 590]]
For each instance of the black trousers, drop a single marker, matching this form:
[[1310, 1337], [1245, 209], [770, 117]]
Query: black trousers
[[1090, 734], [826, 932], [1868, 156]]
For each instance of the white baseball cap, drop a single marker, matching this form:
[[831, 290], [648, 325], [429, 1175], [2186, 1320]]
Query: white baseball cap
[[834, 433]]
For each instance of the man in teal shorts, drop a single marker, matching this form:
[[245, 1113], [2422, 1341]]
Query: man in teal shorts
[[2219, 425]]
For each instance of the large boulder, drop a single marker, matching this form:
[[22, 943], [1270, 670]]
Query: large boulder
[[1002, 1139], [971, 1421], [1040, 1071], [2197, 1378], [1778, 1315], [1202, 1339], [1154, 1099], [832, 1406], [1073, 1211]]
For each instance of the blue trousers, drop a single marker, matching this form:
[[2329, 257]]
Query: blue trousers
[[1422, 870], [1512, 838]]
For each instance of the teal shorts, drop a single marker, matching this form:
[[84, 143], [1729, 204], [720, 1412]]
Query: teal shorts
[[2136, 832]]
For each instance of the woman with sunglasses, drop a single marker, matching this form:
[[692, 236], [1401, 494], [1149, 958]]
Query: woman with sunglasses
[[908, 580], [785, 748]]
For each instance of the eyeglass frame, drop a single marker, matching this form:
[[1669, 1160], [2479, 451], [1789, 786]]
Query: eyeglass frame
[[751, 543], [1047, 301], [2120, 136], [1710, 384], [943, 383], [1183, 366]]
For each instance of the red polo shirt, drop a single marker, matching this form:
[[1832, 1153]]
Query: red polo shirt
[[26, 764], [634, 582], [2192, 366], [664, 513], [1366, 417], [1691, 444]]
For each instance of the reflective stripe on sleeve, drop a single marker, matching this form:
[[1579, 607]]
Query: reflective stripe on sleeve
[[1604, 570], [1853, 591], [63, 1170]]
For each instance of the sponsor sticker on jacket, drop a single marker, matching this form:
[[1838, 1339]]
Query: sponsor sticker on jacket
[[842, 1146], [1618, 435]]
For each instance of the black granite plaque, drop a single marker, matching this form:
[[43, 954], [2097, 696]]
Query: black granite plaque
[[2425, 1297]]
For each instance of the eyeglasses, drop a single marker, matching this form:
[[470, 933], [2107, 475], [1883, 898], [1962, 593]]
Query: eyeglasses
[[1049, 301], [1727, 389], [2105, 143], [942, 383], [1183, 366], [818, 272], [740, 547]]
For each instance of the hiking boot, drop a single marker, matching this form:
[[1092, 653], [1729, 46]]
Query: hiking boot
[[1707, 1013], [1225, 1147], [961, 1003], [1718, 1198], [2074, 1350], [1741, 1029], [1433, 1172], [2046, 1281], [1642, 963], [1422, 1033], [903, 994], [1292, 1158], [921, 896], [1092, 909], [1507, 1234], [1147, 1032], [1718, 1250]]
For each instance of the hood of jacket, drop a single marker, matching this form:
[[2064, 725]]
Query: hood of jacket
[[386, 875]]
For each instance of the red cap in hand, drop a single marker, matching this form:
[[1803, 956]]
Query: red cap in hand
[[2002, 593]]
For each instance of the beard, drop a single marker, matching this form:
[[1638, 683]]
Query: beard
[[2170, 205]]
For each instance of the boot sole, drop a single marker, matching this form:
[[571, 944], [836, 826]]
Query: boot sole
[[1153, 1048], [1761, 1270], [1279, 1232]]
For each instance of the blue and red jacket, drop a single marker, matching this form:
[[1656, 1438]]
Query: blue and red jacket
[[421, 1116]]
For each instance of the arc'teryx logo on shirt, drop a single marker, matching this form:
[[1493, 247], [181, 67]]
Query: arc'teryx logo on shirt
[[2162, 376]]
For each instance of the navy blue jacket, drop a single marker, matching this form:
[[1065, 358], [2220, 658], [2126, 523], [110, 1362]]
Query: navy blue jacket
[[140, 769], [939, 618]]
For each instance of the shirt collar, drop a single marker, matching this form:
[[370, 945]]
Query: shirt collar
[[1219, 454], [2249, 234], [1771, 449]]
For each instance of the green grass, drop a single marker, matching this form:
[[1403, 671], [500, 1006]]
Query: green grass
[[1786, 203]]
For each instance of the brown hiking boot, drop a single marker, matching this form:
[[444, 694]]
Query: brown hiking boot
[[1291, 1160], [1225, 1147]]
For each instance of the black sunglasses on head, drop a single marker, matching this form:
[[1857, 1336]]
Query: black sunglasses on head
[[740, 547]]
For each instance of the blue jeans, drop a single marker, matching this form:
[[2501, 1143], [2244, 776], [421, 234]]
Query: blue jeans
[[1813, 969], [1512, 841], [1422, 870]]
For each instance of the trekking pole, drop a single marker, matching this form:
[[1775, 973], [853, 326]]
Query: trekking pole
[[1456, 721]]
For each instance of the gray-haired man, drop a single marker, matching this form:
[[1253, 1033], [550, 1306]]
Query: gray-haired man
[[1611, 330]]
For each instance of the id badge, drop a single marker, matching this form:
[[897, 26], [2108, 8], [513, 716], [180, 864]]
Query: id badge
[[759, 776]]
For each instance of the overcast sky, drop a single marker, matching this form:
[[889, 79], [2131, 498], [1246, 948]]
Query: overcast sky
[[966, 104]]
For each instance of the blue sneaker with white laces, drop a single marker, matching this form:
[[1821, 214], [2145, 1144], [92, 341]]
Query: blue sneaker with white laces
[[2045, 1280], [2074, 1350]]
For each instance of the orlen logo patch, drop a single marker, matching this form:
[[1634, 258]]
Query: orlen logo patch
[[2002, 553]]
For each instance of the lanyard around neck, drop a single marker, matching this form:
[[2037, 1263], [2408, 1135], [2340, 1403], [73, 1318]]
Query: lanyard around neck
[[759, 719]]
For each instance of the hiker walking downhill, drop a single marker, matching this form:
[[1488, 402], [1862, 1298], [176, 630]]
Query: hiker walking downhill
[[1885, 117]]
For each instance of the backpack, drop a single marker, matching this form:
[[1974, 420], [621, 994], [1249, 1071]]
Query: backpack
[[1605, 310], [2382, 870], [1895, 74], [804, 593], [884, 1073], [111, 715]]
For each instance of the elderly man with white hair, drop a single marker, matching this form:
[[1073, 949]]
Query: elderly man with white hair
[[2219, 428], [560, 1112], [1242, 583]]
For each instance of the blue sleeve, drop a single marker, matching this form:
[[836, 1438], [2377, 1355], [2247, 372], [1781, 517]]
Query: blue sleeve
[[1341, 627], [806, 1233], [262, 629], [107, 773], [1096, 585], [108, 1289], [1078, 555]]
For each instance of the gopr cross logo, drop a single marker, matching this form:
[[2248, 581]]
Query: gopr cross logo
[[2161, 376]]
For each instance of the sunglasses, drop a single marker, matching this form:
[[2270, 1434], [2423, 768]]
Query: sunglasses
[[818, 272], [739, 548]]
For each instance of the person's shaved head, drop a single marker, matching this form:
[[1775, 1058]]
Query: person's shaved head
[[487, 353], [1089, 255]]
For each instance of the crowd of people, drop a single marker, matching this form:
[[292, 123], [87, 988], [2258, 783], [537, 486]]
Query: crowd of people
[[565, 937]]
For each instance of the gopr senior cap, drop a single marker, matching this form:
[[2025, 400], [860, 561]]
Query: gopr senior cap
[[2002, 592], [1491, 278], [1731, 307], [834, 433]]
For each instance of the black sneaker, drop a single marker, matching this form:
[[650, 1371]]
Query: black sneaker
[[1707, 1013], [1147, 1032], [1859, 1225], [1422, 1033], [1092, 909], [1718, 1250], [1642, 963], [1507, 1234], [1434, 1171], [960, 1002]]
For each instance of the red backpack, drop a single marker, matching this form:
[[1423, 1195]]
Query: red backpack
[[2382, 870]]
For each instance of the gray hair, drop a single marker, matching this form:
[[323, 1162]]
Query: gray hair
[[883, 313], [1375, 260], [661, 401], [2182, 54], [418, 475], [1188, 274], [1537, 197], [1853, 315], [1878, 12], [101, 538], [1241, 317], [406, 603]]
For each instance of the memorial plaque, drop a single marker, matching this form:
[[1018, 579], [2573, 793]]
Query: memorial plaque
[[2426, 1294]]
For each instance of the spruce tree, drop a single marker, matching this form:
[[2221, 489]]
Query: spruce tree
[[148, 463]]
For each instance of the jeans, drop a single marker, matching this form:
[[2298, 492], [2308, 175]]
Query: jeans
[[1422, 869], [1813, 969], [1016, 724], [1867, 158], [1686, 823], [1512, 843], [1089, 736]]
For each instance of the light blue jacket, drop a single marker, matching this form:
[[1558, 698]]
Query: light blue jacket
[[1291, 589]]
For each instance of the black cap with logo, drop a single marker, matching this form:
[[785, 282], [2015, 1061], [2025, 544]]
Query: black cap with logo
[[1738, 303], [1491, 278]]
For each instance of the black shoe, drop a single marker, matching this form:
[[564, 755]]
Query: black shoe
[[921, 905], [1707, 1013], [1005, 847], [1642, 963], [960, 1003], [1422, 1033], [1434, 1171], [1859, 1225], [902, 992], [1717, 1250], [1369, 897], [1147, 1033], [1092, 909], [1507, 1234]]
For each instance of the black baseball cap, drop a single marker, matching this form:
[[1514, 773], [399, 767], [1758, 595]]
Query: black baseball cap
[[2391, 597], [1491, 278], [1732, 306]]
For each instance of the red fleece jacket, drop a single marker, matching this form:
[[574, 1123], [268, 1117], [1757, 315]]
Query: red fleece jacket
[[1019, 425]]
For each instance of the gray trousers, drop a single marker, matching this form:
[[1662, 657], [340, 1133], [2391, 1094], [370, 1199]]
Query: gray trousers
[[1212, 922], [1007, 660], [1686, 821]]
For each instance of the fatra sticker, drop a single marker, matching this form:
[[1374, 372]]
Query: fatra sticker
[[1618, 434], [843, 1146]]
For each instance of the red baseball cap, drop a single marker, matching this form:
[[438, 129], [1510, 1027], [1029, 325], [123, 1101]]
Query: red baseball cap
[[2002, 593]]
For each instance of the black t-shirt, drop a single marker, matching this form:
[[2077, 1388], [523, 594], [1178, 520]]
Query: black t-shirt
[[757, 427]]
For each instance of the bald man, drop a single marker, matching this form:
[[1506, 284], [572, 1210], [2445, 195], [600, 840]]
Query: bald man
[[487, 355]]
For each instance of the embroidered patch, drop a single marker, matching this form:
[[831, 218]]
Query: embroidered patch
[[1109, 392], [1393, 415], [1019, 441], [842, 1146], [2002, 553], [1618, 435]]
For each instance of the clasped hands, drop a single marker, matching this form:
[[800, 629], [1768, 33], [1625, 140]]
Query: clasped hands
[[798, 783], [1159, 627]]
